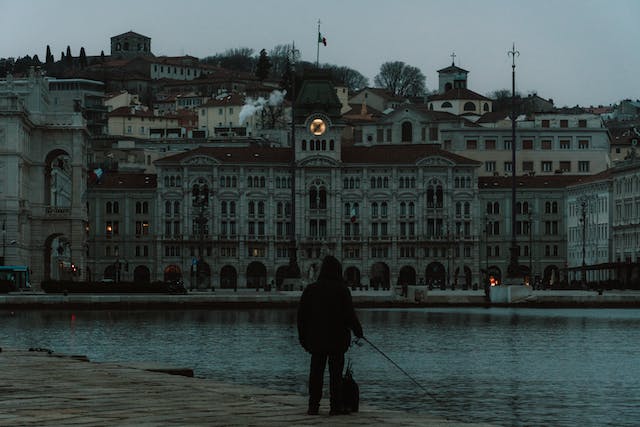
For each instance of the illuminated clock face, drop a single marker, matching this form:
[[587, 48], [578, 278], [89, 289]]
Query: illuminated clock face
[[318, 127]]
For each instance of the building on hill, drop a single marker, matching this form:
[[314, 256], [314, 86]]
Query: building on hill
[[130, 45]]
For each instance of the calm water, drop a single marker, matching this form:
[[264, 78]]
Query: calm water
[[506, 366]]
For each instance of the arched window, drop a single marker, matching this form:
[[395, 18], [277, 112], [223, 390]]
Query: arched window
[[178, 181], [249, 182], [489, 207], [252, 209], [374, 210], [446, 104], [458, 209], [412, 209], [232, 208], [496, 208], [256, 182], [383, 209], [547, 207], [554, 207], [485, 106], [138, 207], [469, 106], [263, 182], [287, 209], [324, 145], [222, 181], [261, 208], [304, 145], [332, 145], [407, 132], [167, 208], [439, 196], [385, 182], [467, 209], [373, 182], [279, 209], [313, 198], [379, 182], [145, 207], [352, 183], [518, 207], [234, 182], [323, 199], [223, 208], [172, 181], [345, 183], [166, 181], [116, 207], [403, 209], [525, 207], [347, 210]]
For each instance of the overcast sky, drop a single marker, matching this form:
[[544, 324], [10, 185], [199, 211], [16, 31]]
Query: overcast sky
[[578, 52]]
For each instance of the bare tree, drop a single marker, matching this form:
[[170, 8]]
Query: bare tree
[[401, 79], [237, 59], [351, 78]]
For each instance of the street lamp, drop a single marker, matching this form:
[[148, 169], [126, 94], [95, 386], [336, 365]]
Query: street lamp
[[200, 201], [513, 269], [4, 240], [583, 219], [529, 214]]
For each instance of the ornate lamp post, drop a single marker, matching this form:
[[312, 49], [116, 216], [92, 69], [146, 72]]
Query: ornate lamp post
[[513, 269], [293, 272], [200, 202], [584, 203]]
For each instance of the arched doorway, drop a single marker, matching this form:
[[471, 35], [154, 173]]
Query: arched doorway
[[203, 275], [172, 273], [110, 272], [228, 277], [379, 277], [141, 274], [435, 274], [53, 256], [407, 276], [352, 276], [551, 276], [462, 278], [496, 273], [281, 274], [407, 132], [256, 275]]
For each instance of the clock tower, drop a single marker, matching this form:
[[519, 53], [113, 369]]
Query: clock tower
[[317, 120]]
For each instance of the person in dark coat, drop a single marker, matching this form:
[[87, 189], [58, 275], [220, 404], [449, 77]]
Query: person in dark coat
[[325, 320]]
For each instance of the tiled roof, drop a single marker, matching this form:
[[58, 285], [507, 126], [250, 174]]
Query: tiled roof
[[452, 69], [130, 33], [110, 180], [458, 93], [398, 154], [378, 154], [383, 93], [226, 100]]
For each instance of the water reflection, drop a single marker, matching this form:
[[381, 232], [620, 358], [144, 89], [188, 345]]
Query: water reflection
[[504, 366]]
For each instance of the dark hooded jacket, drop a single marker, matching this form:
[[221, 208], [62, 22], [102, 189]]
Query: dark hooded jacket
[[325, 315]]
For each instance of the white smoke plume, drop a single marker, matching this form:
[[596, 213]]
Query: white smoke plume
[[253, 106]]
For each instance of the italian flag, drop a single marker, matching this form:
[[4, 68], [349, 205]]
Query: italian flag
[[354, 215], [321, 39], [96, 174]]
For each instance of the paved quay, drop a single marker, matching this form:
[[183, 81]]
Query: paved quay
[[245, 298], [39, 389]]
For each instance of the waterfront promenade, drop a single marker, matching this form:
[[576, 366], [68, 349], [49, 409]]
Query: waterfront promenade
[[248, 298], [39, 388]]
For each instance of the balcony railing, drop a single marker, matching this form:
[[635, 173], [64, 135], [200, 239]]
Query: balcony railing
[[57, 211]]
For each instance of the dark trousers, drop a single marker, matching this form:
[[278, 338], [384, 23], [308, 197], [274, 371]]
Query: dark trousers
[[316, 374]]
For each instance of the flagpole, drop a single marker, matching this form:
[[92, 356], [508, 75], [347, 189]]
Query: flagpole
[[318, 47]]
